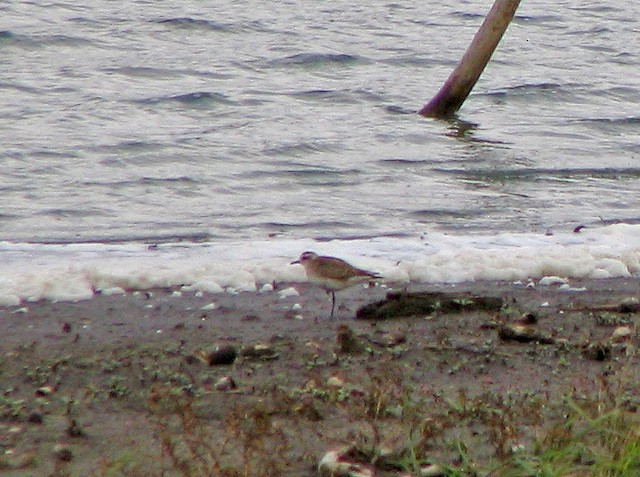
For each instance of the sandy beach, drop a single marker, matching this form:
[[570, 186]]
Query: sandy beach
[[165, 382]]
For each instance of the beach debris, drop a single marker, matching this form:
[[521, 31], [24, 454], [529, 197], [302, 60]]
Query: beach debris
[[389, 339], [111, 291], [523, 334], [259, 351], [218, 355], [429, 470], [629, 305], [621, 333], [225, 383], [267, 287], [347, 341], [10, 460], [209, 306], [343, 463], [63, 452], [568, 288], [250, 318], [552, 280], [45, 391], [288, 292], [406, 304], [335, 381], [528, 318], [466, 74], [597, 351]]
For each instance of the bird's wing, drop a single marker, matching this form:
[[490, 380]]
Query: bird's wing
[[338, 269]]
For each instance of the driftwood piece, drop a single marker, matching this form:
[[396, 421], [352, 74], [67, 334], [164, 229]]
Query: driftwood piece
[[399, 305], [464, 77]]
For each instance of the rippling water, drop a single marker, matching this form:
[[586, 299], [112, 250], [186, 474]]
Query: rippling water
[[242, 120]]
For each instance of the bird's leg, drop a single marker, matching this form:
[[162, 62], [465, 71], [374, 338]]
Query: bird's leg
[[333, 303]]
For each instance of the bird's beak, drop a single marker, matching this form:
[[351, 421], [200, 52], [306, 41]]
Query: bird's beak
[[297, 262]]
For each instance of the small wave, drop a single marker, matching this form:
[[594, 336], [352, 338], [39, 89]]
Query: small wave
[[196, 99], [326, 95], [8, 37], [529, 89], [424, 214], [77, 213], [628, 121], [141, 72], [318, 60], [146, 181], [124, 146], [189, 23], [533, 174], [301, 148], [395, 109]]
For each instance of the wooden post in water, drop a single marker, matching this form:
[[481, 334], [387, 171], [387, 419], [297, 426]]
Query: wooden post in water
[[462, 80]]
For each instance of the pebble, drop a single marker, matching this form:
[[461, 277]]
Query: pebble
[[260, 350], [219, 355], [226, 383], [45, 391], [288, 292], [63, 452], [336, 464], [621, 333], [552, 280]]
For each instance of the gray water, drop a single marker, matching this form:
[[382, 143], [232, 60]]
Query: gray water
[[238, 120]]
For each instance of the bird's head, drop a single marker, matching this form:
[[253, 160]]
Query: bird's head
[[306, 257]]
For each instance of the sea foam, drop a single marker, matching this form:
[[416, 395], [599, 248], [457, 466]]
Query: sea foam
[[72, 272]]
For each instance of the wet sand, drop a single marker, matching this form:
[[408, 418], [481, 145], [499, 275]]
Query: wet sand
[[123, 385]]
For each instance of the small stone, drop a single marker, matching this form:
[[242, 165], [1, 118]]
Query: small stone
[[432, 470], [250, 318], [288, 292], [219, 355], [45, 391], [529, 318], [338, 463], [226, 383], [63, 452], [629, 305], [552, 280], [394, 338], [523, 334], [597, 351], [260, 351], [10, 460], [621, 333]]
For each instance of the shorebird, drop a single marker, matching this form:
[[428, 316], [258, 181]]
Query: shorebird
[[333, 273]]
